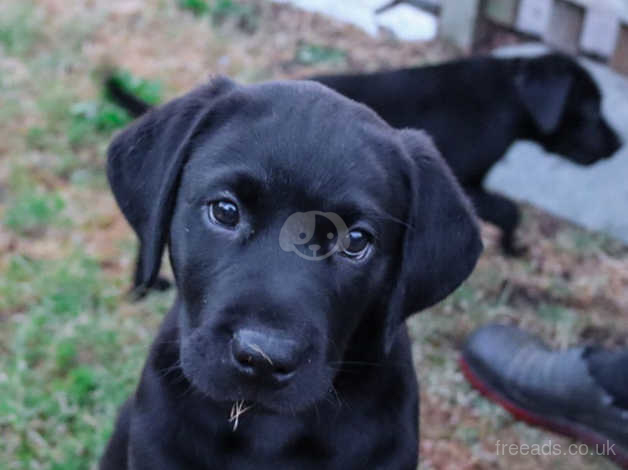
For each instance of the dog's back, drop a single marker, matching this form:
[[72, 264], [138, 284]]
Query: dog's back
[[476, 108], [457, 103]]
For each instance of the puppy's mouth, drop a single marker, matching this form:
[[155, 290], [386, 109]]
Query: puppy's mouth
[[243, 395], [243, 400]]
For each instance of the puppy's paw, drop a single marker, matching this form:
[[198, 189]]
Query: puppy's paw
[[162, 284], [513, 249]]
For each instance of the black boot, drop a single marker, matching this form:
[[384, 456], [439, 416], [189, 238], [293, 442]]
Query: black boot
[[554, 390]]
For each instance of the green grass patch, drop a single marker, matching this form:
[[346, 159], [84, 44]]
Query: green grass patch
[[313, 54], [219, 11], [62, 288], [198, 7], [19, 28], [31, 208], [102, 116], [10, 106], [69, 359], [555, 314], [70, 124], [31, 212], [244, 14], [88, 118], [584, 242]]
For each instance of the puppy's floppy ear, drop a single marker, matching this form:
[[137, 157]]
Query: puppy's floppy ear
[[143, 168], [442, 241], [543, 84]]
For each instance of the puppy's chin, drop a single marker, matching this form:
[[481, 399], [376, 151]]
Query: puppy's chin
[[221, 385]]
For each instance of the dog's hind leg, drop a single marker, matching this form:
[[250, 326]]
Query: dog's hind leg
[[501, 212]]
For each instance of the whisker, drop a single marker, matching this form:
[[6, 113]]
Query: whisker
[[256, 348], [337, 395], [168, 370]]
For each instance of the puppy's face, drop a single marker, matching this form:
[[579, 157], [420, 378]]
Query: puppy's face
[[583, 135], [565, 105], [296, 217], [270, 298]]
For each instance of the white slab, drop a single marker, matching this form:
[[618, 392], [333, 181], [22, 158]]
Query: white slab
[[409, 23], [406, 22], [600, 31], [534, 16], [359, 13], [596, 196]]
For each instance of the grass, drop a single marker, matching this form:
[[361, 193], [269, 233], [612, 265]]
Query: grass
[[71, 348], [313, 54], [19, 26], [31, 208], [81, 121], [220, 11], [69, 359], [580, 241], [31, 212], [63, 373], [198, 7], [102, 116], [72, 131]]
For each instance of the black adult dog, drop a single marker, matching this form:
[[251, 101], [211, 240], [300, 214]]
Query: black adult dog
[[474, 109], [302, 231]]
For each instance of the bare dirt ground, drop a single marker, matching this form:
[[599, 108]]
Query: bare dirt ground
[[572, 286]]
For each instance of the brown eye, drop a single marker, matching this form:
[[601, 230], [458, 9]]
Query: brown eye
[[224, 213], [357, 243]]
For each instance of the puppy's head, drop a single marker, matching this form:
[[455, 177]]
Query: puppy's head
[[236, 180], [564, 104]]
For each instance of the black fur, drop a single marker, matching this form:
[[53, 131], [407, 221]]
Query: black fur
[[328, 372], [474, 109]]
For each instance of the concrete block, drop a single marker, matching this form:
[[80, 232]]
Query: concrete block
[[565, 27], [534, 16], [620, 58], [600, 31], [503, 12], [409, 23], [458, 22]]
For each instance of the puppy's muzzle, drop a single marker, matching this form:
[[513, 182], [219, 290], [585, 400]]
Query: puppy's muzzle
[[265, 356]]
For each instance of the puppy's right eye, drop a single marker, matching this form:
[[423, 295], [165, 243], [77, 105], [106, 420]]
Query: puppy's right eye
[[357, 244], [224, 212]]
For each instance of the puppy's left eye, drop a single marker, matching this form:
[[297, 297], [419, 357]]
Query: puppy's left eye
[[224, 212], [357, 243]]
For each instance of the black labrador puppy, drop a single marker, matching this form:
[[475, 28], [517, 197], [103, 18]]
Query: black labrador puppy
[[474, 109], [302, 231]]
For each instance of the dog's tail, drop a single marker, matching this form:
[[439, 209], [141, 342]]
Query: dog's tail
[[125, 99]]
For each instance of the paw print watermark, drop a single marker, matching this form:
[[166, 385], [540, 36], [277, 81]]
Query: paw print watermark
[[313, 235]]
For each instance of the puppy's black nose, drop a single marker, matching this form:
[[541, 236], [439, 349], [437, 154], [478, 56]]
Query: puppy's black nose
[[265, 355]]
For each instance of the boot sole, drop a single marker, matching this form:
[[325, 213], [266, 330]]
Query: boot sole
[[555, 424]]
